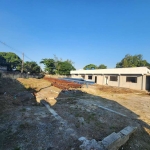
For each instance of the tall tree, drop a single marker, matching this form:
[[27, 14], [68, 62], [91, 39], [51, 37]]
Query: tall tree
[[90, 67], [5, 64], [102, 66], [65, 68], [58, 66], [49, 65], [132, 61], [32, 67], [11, 58]]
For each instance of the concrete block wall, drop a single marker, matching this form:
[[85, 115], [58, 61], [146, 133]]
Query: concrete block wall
[[121, 82], [131, 85], [112, 83], [100, 79], [112, 142]]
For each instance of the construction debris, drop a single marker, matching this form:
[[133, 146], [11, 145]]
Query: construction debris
[[112, 142], [63, 84]]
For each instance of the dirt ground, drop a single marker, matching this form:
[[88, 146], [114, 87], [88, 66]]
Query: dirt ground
[[25, 124]]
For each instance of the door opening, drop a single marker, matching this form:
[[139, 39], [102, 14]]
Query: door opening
[[148, 83], [95, 79], [106, 80]]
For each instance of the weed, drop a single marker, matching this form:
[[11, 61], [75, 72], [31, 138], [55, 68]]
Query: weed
[[23, 109], [77, 115], [17, 148]]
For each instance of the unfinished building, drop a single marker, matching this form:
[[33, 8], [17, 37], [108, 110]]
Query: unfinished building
[[134, 78]]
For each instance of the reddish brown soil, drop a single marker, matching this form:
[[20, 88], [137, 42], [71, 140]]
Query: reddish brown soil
[[62, 84]]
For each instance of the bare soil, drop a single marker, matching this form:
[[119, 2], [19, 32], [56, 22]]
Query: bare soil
[[26, 124]]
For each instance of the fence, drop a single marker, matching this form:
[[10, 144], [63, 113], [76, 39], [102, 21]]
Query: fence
[[14, 75]]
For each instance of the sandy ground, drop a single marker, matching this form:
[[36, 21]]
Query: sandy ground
[[26, 124]]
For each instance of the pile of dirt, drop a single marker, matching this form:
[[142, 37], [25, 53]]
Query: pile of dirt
[[63, 84]]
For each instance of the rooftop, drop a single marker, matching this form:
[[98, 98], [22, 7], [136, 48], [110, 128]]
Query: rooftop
[[133, 70]]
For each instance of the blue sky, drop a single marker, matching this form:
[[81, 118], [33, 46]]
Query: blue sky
[[85, 31]]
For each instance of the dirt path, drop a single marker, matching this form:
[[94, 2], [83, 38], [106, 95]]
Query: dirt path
[[86, 112]]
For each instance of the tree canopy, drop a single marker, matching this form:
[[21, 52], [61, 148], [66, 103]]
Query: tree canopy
[[90, 67], [57, 66], [102, 66], [49, 65], [4, 63], [64, 68], [132, 61], [11, 58], [32, 67]]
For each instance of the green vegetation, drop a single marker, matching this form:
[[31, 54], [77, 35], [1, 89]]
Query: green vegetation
[[58, 66], [132, 61], [9, 59], [49, 65], [92, 67], [32, 67], [12, 61], [4, 63], [102, 66]]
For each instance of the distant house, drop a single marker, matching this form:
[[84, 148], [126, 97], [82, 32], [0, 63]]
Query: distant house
[[134, 78]]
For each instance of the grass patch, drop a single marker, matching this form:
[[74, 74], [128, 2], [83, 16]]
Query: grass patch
[[17, 148]]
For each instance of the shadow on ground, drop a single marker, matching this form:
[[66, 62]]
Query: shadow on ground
[[96, 117], [24, 124]]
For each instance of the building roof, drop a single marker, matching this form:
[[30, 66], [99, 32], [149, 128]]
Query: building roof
[[133, 70]]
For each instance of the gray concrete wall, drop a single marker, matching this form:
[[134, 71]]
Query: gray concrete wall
[[100, 79], [121, 82], [143, 82], [131, 85], [148, 83], [86, 77], [76, 76], [112, 83]]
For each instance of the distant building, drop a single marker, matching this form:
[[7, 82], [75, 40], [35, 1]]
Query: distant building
[[134, 78]]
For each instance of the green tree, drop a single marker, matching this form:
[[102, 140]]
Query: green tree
[[102, 66], [49, 65], [58, 66], [90, 67], [65, 68], [132, 61], [32, 67], [11, 59], [4, 63]]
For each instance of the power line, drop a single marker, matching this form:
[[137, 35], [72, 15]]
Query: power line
[[9, 46], [28, 57], [14, 49], [24, 55]]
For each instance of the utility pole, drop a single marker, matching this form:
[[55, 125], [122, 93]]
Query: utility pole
[[22, 62]]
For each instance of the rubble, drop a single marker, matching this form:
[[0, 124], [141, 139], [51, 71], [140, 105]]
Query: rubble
[[63, 84]]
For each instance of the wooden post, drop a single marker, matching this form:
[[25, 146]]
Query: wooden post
[[22, 62]]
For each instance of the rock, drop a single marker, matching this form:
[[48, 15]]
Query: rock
[[81, 119], [88, 110], [91, 145], [82, 139]]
